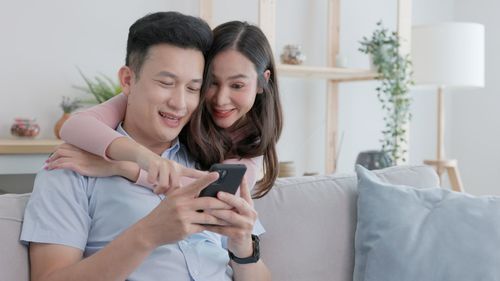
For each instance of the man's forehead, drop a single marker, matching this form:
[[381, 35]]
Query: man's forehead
[[169, 61], [168, 74]]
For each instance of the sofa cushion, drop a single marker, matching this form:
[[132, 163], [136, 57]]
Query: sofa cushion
[[14, 256], [310, 223], [405, 233]]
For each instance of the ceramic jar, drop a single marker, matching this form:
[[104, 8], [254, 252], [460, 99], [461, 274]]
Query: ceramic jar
[[286, 169], [59, 123], [292, 54], [25, 127]]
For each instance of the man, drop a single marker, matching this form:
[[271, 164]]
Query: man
[[82, 228]]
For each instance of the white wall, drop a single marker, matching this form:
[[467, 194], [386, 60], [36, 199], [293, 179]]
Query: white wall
[[476, 123], [43, 42]]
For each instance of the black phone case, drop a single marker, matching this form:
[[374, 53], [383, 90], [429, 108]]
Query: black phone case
[[230, 176]]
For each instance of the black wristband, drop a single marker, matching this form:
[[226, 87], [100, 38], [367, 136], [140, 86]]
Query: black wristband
[[251, 259]]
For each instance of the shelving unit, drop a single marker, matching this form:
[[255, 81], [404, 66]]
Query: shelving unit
[[331, 74], [28, 146], [328, 73]]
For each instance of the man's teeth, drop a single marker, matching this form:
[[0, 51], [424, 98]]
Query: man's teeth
[[164, 115]]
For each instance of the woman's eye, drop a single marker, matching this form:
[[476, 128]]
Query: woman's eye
[[237, 86], [214, 84]]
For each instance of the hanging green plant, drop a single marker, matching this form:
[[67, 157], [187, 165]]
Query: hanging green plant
[[395, 75]]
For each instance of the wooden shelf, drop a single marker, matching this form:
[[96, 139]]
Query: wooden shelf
[[334, 75], [330, 73], [28, 146]]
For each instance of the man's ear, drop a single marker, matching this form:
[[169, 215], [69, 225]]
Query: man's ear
[[125, 75], [267, 75]]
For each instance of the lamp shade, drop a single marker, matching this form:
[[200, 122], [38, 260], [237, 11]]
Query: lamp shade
[[448, 54]]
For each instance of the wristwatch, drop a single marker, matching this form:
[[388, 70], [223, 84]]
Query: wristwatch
[[251, 259]]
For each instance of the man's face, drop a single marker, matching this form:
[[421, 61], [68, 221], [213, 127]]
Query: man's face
[[163, 98]]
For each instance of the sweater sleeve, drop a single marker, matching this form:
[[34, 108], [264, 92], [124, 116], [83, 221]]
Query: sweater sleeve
[[254, 168], [142, 180], [93, 129]]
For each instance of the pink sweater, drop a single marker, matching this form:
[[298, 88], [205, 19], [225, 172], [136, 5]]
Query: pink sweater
[[93, 130]]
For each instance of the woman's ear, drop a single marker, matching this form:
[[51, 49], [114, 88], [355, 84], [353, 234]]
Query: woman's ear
[[267, 75], [125, 75]]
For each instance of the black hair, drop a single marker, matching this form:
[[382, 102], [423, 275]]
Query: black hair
[[165, 27]]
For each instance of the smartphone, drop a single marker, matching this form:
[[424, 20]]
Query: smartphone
[[230, 176]]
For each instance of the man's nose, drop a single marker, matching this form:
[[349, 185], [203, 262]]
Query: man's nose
[[177, 100]]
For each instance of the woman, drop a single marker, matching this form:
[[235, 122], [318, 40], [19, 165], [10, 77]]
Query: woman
[[239, 120]]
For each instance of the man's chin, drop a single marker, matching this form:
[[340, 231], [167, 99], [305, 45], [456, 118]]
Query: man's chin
[[169, 136]]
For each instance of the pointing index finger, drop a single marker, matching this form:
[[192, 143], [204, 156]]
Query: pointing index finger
[[192, 173], [195, 187]]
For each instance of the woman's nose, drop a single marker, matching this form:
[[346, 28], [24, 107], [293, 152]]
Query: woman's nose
[[222, 96]]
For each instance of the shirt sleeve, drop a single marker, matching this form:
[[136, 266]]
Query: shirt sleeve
[[58, 210], [93, 129]]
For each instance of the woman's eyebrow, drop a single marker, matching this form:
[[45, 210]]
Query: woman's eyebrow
[[238, 76], [233, 77]]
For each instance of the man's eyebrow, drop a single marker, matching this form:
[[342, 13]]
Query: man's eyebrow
[[171, 75], [166, 74]]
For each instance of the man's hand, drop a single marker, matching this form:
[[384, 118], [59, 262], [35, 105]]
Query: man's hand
[[239, 220], [179, 216]]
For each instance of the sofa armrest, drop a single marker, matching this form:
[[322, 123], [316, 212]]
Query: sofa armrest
[[14, 263]]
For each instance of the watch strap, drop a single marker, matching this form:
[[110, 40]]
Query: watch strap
[[251, 259]]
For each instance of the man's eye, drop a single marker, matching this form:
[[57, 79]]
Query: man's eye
[[194, 89], [164, 83]]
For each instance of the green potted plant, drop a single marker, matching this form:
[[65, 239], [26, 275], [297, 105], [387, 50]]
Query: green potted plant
[[394, 73], [101, 87], [69, 105]]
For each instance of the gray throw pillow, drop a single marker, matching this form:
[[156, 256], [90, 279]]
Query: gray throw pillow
[[433, 234]]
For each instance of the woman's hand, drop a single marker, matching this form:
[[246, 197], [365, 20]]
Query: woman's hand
[[164, 174], [84, 163], [240, 221]]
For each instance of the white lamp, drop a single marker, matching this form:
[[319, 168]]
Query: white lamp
[[448, 55]]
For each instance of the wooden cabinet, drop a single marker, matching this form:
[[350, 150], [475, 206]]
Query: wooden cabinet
[[331, 74]]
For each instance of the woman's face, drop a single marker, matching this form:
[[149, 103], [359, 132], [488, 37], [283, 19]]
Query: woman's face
[[234, 88]]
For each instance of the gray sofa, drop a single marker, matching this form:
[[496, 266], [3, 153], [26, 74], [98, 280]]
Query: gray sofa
[[310, 224]]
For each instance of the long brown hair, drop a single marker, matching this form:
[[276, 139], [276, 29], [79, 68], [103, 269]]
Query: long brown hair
[[259, 130]]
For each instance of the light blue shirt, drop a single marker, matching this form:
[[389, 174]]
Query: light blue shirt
[[87, 213]]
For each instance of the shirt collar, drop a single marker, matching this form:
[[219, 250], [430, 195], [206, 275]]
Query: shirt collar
[[173, 149]]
